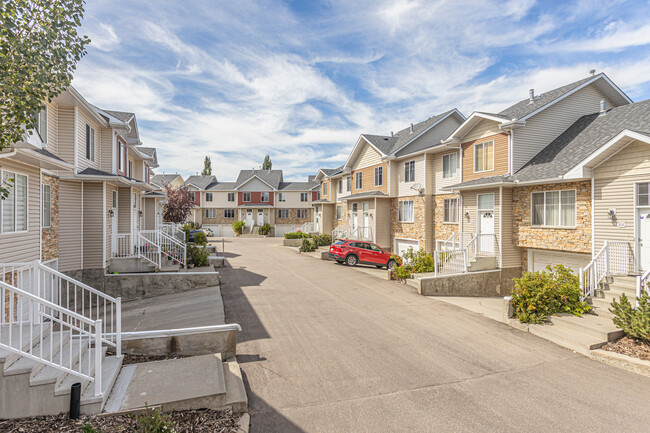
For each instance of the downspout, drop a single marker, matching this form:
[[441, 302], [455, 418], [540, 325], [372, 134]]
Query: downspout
[[593, 223], [501, 227], [511, 157]]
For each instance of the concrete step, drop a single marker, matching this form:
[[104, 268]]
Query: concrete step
[[571, 339], [87, 362], [111, 366], [13, 337], [48, 374], [601, 308], [595, 326], [236, 398], [40, 348]]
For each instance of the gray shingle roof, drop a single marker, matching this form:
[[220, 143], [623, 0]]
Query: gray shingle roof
[[94, 172], [272, 177], [524, 107], [296, 186], [200, 181], [48, 154], [480, 181], [221, 186], [583, 138], [151, 151], [164, 179], [121, 115], [368, 194]]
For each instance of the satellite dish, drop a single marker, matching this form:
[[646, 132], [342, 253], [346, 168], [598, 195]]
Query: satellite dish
[[416, 186]]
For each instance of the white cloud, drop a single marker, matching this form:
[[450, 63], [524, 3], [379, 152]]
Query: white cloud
[[616, 36], [102, 37]]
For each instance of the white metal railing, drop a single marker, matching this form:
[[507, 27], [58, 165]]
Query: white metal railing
[[308, 227], [450, 261], [124, 245], [151, 245], [486, 245], [642, 286], [613, 258], [147, 246], [472, 248], [361, 233], [174, 230], [338, 234], [172, 248]]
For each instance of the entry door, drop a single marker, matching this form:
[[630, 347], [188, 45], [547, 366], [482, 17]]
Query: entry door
[[249, 218], [366, 225], [485, 223], [354, 221], [260, 217], [643, 229]]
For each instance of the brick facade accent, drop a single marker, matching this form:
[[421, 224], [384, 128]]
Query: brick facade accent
[[442, 229], [577, 240], [342, 223], [293, 217], [414, 230], [256, 198], [50, 236]]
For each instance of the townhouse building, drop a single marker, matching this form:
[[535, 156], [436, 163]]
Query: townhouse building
[[257, 197], [390, 189]]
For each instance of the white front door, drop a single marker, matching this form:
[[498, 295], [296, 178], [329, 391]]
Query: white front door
[[485, 230], [643, 240], [355, 223], [249, 218], [366, 226], [260, 217]]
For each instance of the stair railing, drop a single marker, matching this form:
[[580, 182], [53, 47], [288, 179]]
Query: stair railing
[[450, 261], [147, 246], [613, 258], [642, 285], [173, 248]]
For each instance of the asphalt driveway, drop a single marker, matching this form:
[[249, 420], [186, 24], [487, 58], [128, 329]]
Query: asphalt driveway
[[326, 348]]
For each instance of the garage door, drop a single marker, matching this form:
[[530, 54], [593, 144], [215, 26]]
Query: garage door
[[402, 246], [227, 231], [281, 229], [541, 259]]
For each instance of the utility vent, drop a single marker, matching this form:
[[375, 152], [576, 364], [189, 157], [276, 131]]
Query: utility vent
[[411, 127], [531, 96], [603, 107], [592, 72], [391, 134]]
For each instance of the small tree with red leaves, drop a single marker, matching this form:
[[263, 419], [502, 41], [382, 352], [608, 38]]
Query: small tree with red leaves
[[178, 206]]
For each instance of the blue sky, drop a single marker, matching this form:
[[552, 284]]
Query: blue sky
[[301, 80]]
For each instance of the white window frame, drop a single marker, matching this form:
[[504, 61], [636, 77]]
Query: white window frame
[[229, 213], [264, 197], [192, 196], [120, 154], [90, 142], [452, 168], [483, 144], [114, 200], [409, 171], [211, 213], [349, 183], [339, 212], [304, 197], [283, 214], [379, 173], [560, 226], [341, 186], [244, 197], [231, 196], [400, 211], [282, 196], [129, 173], [324, 188], [299, 212], [3, 202], [208, 196], [41, 124], [358, 180], [46, 223], [446, 208]]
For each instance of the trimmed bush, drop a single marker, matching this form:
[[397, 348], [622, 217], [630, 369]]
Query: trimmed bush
[[324, 240], [200, 238], [401, 272], [238, 227], [198, 256], [538, 295], [308, 246], [296, 235], [635, 322], [419, 261], [265, 229]]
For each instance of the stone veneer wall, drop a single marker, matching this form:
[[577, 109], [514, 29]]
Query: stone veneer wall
[[340, 224], [293, 217], [50, 236], [414, 230], [220, 219], [577, 240], [443, 230]]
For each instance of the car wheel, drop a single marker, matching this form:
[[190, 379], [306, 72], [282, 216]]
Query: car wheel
[[391, 264], [351, 260]]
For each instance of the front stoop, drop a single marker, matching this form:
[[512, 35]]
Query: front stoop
[[179, 384]]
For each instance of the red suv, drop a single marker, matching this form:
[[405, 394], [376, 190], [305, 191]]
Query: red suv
[[354, 252]]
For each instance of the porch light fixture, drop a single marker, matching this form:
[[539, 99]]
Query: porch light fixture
[[139, 213], [467, 215], [611, 214], [111, 213]]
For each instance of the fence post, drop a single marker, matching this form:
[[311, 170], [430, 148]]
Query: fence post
[[98, 358], [582, 284], [638, 290], [435, 263], [606, 258], [118, 326]]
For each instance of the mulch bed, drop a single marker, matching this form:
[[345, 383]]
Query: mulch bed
[[630, 347], [187, 421], [138, 359]]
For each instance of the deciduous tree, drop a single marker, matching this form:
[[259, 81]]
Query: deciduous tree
[[178, 206]]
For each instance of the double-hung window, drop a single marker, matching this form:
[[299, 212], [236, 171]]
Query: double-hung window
[[231, 196], [484, 156], [324, 188], [208, 196], [379, 176], [246, 196], [358, 179], [449, 165], [90, 143], [210, 213], [348, 180], [41, 124], [47, 206], [192, 196], [264, 197], [120, 154], [554, 208], [303, 213], [114, 200], [130, 172], [450, 210], [282, 196], [340, 186], [283, 214], [339, 212], [405, 211], [304, 196], [14, 206], [229, 213], [409, 171]]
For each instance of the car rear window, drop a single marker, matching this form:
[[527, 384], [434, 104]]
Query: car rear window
[[339, 243]]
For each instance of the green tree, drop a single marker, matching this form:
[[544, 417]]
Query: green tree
[[39, 51], [207, 166], [267, 164]]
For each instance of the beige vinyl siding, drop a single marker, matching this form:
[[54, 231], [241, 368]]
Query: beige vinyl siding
[[344, 181], [109, 221], [614, 189], [367, 157], [219, 200], [66, 134], [107, 148], [404, 188], [440, 182], [510, 253], [432, 137], [24, 246], [484, 128], [382, 223], [93, 225], [124, 210], [293, 200], [82, 161], [468, 205], [255, 185], [70, 226], [149, 214], [545, 126], [138, 166], [52, 126]]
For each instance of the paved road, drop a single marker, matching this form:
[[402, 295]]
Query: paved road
[[326, 348]]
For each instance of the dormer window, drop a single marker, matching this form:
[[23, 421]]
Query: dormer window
[[90, 143]]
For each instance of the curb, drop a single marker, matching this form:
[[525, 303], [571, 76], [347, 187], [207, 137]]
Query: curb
[[244, 423], [619, 360]]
